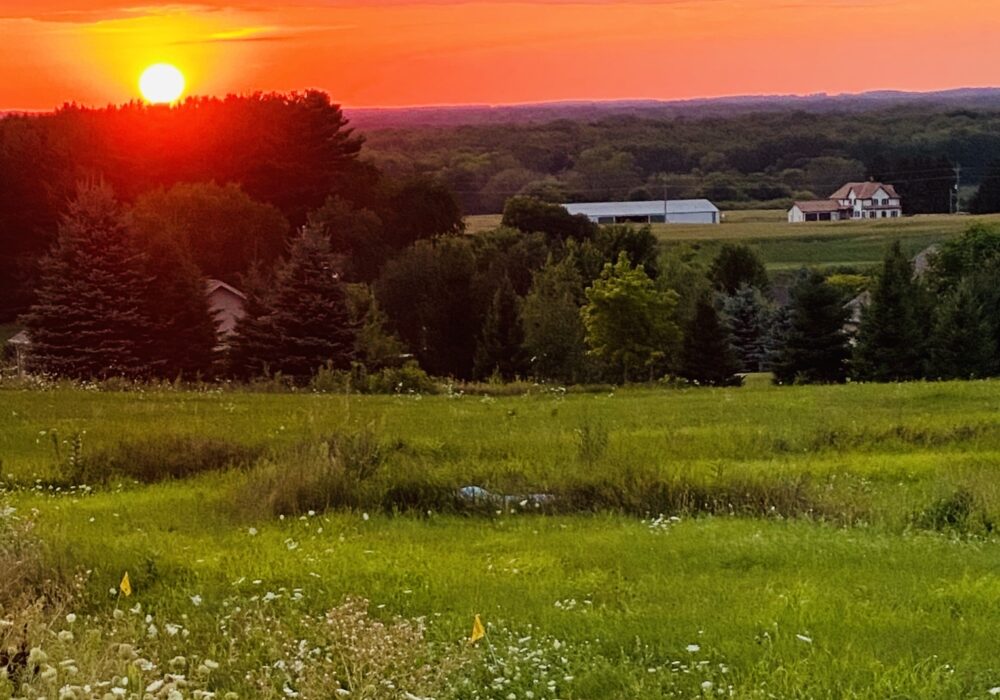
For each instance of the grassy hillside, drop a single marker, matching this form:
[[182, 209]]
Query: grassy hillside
[[826, 542]]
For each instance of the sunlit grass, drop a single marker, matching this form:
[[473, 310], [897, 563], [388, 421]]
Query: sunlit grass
[[866, 597]]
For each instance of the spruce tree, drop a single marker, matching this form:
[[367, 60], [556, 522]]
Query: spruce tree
[[89, 320], [308, 323], [748, 319], [962, 345], [250, 351], [891, 340], [184, 331], [815, 348], [708, 357], [499, 347]]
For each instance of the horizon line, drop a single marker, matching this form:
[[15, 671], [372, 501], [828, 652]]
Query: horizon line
[[541, 103]]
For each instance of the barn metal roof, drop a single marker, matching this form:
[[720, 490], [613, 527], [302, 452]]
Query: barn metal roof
[[654, 208]]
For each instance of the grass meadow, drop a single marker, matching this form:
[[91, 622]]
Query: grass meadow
[[759, 542]]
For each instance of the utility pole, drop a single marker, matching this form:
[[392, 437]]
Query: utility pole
[[958, 185]]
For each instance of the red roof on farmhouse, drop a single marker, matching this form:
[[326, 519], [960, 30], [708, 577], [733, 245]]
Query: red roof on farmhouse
[[863, 190], [818, 206]]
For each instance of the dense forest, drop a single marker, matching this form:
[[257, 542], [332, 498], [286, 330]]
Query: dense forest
[[743, 160]]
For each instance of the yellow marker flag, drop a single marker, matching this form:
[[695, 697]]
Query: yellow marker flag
[[478, 631], [125, 586]]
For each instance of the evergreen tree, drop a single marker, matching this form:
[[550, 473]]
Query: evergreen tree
[[375, 347], [305, 323], [708, 357], [550, 317], [309, 313], [184, 332], [815, 348], [737, 265], [629, 323], [962, 345], [748, 319], [250, 351], [499, 347], [777, 337], [89, 320], [892, 336]]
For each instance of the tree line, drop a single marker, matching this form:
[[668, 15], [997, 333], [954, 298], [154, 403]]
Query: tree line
[[229, 179], [547, 296], [744, 160]]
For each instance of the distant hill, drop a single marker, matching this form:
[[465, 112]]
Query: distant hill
[[406, 117]]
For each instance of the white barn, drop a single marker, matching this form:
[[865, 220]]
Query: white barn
[[674, 211]]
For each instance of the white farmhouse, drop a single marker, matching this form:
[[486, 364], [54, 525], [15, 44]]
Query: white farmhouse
[[855, 200], [673, 211]]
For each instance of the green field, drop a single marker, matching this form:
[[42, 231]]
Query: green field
[[827, 542], [785, 246]]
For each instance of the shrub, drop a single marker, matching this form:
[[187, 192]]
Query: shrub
[[408, 379], [156, 459], [958, 512], [20, 557], [334, 473]]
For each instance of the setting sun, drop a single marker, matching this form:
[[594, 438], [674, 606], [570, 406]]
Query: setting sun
[[161, 83]]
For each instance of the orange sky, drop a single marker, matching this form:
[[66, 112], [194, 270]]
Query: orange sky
[[406, 52]]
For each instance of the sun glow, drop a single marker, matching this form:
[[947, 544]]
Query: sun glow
[[161, 83]]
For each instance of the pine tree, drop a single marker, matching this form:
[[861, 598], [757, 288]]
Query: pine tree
[[250, 351], [708, 357], [307, 323], [184, 332], [961, 344], [89, 320], [892, 336], [550, 317], [815, 346], [499, 347], [748, 319]]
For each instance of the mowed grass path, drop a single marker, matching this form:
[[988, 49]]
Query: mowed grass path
[[790, 607]]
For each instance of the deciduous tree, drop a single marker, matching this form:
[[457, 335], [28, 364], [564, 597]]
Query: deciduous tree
[[629, 323]]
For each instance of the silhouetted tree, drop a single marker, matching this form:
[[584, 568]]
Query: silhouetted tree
[[417, 209], [90, 317], [184, 334], [428, 292], [306, 323], [499, 347], [220, 229]]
